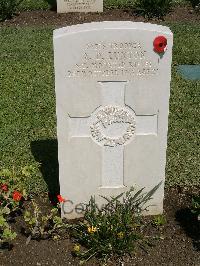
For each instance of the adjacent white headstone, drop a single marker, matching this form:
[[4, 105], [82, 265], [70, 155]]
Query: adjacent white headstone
[[64, 6], [112, 93]]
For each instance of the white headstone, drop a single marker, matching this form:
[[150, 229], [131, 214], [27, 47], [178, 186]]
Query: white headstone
[[64, 6], [112, 93]]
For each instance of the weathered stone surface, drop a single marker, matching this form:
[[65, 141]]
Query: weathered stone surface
[[112, 93]]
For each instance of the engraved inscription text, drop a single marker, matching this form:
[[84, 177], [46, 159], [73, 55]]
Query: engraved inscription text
[[126, 59]]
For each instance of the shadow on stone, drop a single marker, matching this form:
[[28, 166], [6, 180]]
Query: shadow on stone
[[53, 4], [188, 221], [46, 153]]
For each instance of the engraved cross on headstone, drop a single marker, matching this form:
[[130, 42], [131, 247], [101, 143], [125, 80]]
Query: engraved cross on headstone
[[112, 126]]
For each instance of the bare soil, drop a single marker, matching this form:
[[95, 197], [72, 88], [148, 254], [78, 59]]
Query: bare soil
[[178, 240], [51, 18]]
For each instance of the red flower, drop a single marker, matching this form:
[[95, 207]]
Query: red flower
[[160, 44], [17, 196], [60, 198], [4, 187]]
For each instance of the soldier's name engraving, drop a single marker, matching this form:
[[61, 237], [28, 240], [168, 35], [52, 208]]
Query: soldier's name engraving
[[126, 59], [79, 4]]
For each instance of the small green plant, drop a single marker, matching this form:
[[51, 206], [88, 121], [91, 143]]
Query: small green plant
[[12, 193], [153, 8], [41, 226], [159, 220], [12, 190], [6, 234], [113, 230], [8, 8], [195, 4], [196, 206]]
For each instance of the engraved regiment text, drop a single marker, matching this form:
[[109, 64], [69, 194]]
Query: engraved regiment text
[[112, 60], [79, 4]]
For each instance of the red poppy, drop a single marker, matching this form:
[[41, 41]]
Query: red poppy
[[60, 198], [4, 187], [160, 44], [17, 196]]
